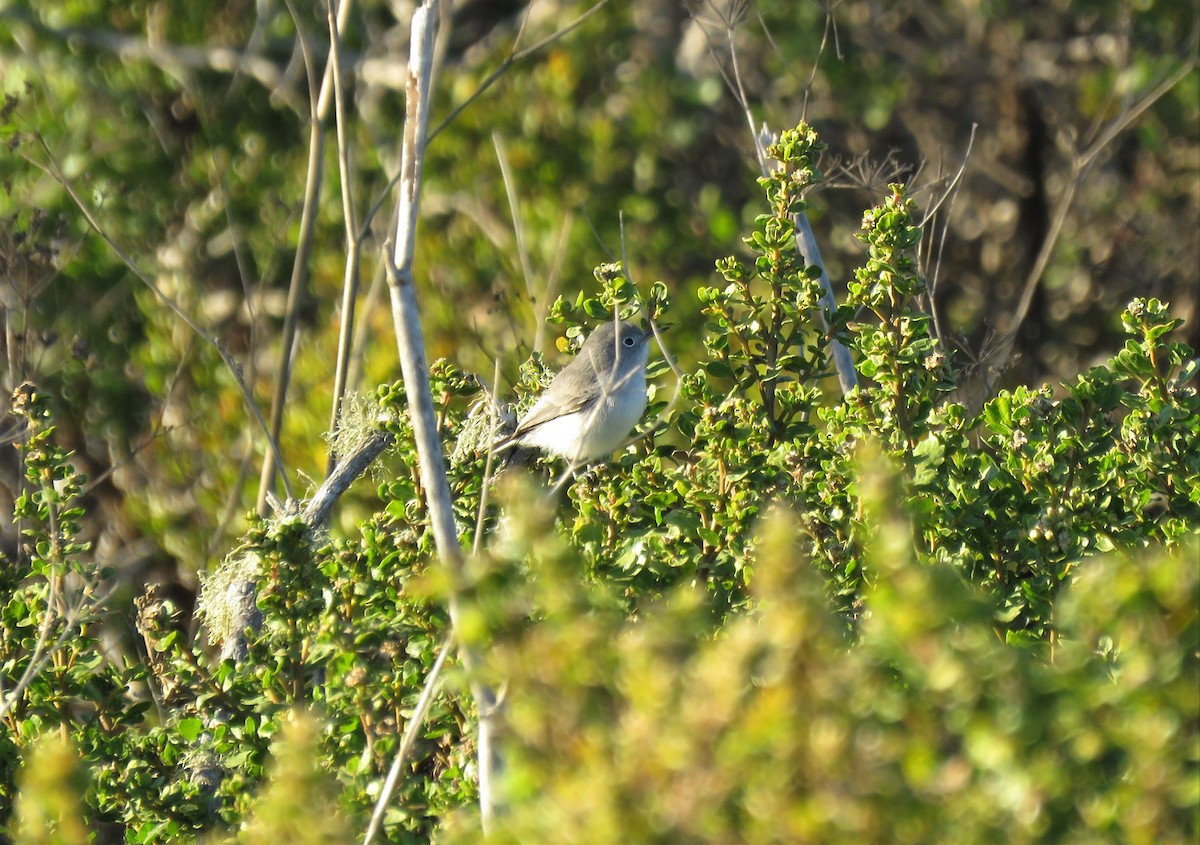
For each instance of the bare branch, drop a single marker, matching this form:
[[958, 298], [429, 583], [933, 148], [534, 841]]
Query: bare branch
[[489, 463], [406, 316], [1079, 163], [241, 593], [947, 198], [316, 512], [1125, 120], [319, 104], [951, 189]]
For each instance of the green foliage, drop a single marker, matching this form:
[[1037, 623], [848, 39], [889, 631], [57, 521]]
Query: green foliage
[[896, 350], [49, 504], [1014, 497], [299, 804], [925, 729], [52, 671], [760, 330], [52, 781], [336, 633], [634, 731], [890, 657]]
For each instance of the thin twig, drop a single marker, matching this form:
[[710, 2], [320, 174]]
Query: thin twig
[[8, 700], [489, 463], [1079, 163], [948, 196], [514, 57], [308, 221], [951, 188], [514, 207], [350, 280], [1124, 121], [234, 369], [320, 102], [407, 741]]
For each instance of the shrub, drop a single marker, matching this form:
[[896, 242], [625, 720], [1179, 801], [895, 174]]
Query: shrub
[[890, 656]]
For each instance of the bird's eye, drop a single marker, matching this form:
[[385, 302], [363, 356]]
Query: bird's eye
[[627, 340]]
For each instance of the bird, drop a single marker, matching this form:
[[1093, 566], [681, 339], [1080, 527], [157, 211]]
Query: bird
[[593, 403]]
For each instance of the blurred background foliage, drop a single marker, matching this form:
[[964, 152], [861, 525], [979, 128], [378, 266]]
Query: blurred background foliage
[[925, 729]]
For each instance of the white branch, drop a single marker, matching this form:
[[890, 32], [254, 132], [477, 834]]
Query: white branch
[[415, 372]]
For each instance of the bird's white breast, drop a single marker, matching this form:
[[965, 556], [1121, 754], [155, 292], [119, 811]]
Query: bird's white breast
[[590, 434]]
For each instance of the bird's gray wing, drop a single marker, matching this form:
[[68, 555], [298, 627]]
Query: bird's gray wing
[[544, 411]]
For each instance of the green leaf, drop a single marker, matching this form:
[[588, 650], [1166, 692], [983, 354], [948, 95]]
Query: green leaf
[[189, 729], [927, 457], [998, 413]]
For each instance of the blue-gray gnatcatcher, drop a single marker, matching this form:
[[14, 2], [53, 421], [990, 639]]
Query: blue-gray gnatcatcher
[[593, 402]]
